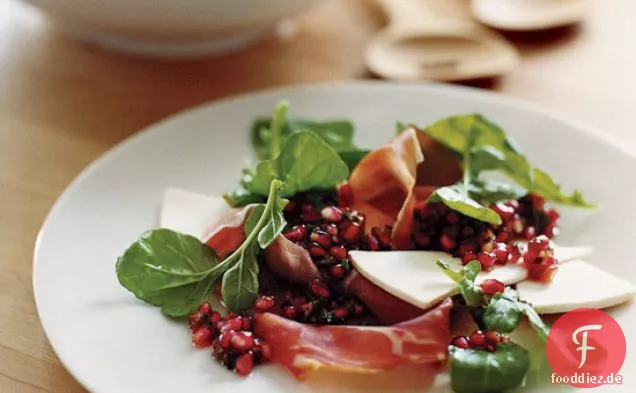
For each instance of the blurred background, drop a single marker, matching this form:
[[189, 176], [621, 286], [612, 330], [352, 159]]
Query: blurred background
[[78, 76]]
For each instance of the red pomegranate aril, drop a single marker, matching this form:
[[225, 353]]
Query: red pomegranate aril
[[517, 226], [491, 286], [501, 253], [307, 208], [338, 252], [503, 235], [264, 303], [442, 209], [205, 308], [289, 312], [492, 337], [447, 243], [420, 210], [467, 231], [244, 364], [319, 289], [513, 203], [504, 211], [351, 233], [486, 259], [468, 257], [263, 349], [309, 214], [196, 319], [247, 323], [477, 339], [452, 218], [345, 195], [358, 308], [340, 313], [235, 323], [331, 214], [331, 229], [225, 338], [316, 251], [321, 238], [461, 342], [467, 247], [202, 337], [538, 202], [373, 243], [242, 341], [290, 207], [421, 239], [337, 271], [529, 232], [306, 308], [296, 233], [538, 244]]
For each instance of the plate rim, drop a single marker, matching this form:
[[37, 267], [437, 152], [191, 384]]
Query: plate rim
[[495, 97]]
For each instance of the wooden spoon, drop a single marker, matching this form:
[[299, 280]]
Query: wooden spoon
[[420, 44], [529, 15]]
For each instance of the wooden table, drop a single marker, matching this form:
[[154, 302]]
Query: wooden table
[[62, 104]]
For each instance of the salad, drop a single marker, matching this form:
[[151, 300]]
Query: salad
[[331, 256]]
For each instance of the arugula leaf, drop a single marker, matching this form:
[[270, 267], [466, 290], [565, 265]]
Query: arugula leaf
[[176, 272], [457, 198], [167, 269], [268, 135], [465, 280], [491, 149], [490, 191], [502, 314], [535, 321], [480, 371], [306, 162]]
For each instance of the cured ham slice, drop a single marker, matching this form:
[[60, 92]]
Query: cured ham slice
[[403, 227], [388, 308], [303, 348], [283, 257]]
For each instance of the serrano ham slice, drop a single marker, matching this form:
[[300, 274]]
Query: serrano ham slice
[[303, 348]]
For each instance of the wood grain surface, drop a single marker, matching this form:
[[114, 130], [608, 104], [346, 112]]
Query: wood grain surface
[[62, 104]]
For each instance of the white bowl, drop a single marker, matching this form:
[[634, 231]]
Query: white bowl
[[170, 28]]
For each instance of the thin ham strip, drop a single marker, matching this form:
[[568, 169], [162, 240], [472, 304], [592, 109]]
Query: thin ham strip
[[226, 234], [303, 348]]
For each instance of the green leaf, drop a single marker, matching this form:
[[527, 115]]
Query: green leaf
[[399, 128], [353, 156], [492, 150], [240, 282], [167, 269], [465, 280], [502, 314], [480, 371], [456, 197], [241, 197], [535, 321], [487, 192], [305, 163]]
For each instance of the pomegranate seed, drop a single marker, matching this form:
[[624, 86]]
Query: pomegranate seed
[[469, 257], [345, 194], [242, 341], [538, 244], [373, 243], [538, 202], [202, 337], [247, 323], [477, 339], [244, 364], [447, 243], [340, 313], [358, 308], [442, 209], [299, 301], [306, 308], [421, 210], [491, 286], [196, 319], [318, 289], [486, 259], [309, 214], [492, 337], [264, 303], [290, 207], [205, 308], [331, 229], [316, 251], [263, 349], [467, 247], [321, 238], [350, 233], [289, 312], [296, 233], [468, 231], [307, 208], [421, 239], [331, 214], [503, 235], [452, 218], [338, 252], [337, 271], [501, 253], [529, 232], [505, 211], [233, 324], [552, 216], [383, 235], [461, 342], [514, 204], [517, 226]]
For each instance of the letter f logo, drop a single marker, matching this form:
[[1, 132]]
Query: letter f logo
[[584, 347]]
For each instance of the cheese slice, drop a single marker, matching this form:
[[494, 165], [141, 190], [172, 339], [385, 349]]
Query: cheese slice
[[189, 212], [576, 284], [413, 276]]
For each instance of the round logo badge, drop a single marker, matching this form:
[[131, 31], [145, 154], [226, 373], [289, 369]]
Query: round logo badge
[[586, 348]]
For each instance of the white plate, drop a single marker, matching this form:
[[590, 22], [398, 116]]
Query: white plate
[[113, 343]]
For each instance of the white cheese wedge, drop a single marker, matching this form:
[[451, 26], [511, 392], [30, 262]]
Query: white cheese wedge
[[413, 276], [190, 212], [576, 284]]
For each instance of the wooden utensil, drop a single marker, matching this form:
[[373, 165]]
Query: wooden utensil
[[529, 15], [420, 44]]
